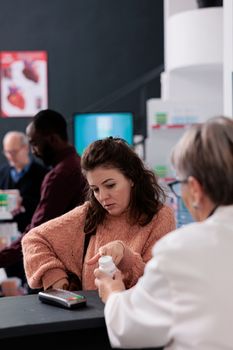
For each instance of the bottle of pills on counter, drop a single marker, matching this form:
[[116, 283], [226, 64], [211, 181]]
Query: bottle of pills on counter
[[107, 265]]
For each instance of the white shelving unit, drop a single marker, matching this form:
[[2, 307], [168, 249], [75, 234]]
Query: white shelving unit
[[192, 83], [8, 233], [228, 57], [8, 227]]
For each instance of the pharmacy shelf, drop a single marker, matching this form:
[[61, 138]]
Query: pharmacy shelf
[[5, 215], [195, 38], [170, 126]]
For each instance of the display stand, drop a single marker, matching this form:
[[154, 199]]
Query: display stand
[[191, 84]]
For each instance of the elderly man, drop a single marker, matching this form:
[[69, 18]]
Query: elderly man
[[25, 174]]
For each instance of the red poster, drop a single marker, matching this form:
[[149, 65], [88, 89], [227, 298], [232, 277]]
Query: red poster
[[24, 86]]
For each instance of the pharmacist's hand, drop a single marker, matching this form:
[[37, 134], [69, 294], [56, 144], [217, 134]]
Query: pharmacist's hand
[[115, 249], [107, 285], [61, 284], [19, 208]]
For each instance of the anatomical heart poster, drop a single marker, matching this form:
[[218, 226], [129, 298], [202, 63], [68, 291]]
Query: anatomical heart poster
[[24, 85]]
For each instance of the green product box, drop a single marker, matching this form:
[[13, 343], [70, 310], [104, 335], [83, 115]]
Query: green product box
[[161, 118]]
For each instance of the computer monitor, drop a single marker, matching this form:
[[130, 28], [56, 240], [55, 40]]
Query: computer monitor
[[89, 127]]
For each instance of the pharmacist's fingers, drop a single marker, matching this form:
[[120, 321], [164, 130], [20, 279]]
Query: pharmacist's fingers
[[118, 275], [100, 274]]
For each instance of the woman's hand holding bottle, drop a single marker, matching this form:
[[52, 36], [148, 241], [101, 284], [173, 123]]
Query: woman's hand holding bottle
[[115, 249]]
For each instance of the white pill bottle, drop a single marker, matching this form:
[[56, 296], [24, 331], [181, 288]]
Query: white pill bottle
[[107, 265]]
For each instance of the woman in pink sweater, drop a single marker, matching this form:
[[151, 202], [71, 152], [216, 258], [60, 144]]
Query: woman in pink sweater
[[123, 217]]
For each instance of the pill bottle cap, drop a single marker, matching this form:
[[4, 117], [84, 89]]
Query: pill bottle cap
[[105, 260]]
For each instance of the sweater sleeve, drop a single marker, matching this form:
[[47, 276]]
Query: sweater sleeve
[[42, 267], [133, 264], [47, 249]]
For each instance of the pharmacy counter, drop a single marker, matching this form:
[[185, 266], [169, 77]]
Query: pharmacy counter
[[26, 322]]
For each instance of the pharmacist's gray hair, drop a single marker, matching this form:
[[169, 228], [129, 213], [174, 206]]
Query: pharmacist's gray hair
[[14, 133], [205, 152]]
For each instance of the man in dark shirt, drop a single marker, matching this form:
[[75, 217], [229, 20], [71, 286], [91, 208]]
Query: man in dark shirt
[[22, 173], [63, 187]]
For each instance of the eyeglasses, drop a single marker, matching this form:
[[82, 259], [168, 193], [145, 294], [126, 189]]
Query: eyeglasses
[[175, 186]]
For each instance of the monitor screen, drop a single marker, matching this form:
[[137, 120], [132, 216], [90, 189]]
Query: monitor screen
[[89, 127]]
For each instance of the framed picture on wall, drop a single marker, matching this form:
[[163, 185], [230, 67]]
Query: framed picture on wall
[[23, 83]]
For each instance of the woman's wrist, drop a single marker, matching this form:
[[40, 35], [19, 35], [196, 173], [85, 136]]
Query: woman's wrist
[[61, 284]]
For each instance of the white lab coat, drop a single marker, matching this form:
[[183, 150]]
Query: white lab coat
[[184, 300]]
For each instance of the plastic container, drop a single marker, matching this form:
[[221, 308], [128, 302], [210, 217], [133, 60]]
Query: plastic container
[[107, 265], [3, 202]]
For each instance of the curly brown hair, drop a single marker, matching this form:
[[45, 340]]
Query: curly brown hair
[[147, 197]]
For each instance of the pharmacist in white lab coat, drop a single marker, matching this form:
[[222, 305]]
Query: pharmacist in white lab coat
[[184, 300]]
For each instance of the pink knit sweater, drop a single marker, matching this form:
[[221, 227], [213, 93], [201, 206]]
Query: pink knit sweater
[[55, 247]]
